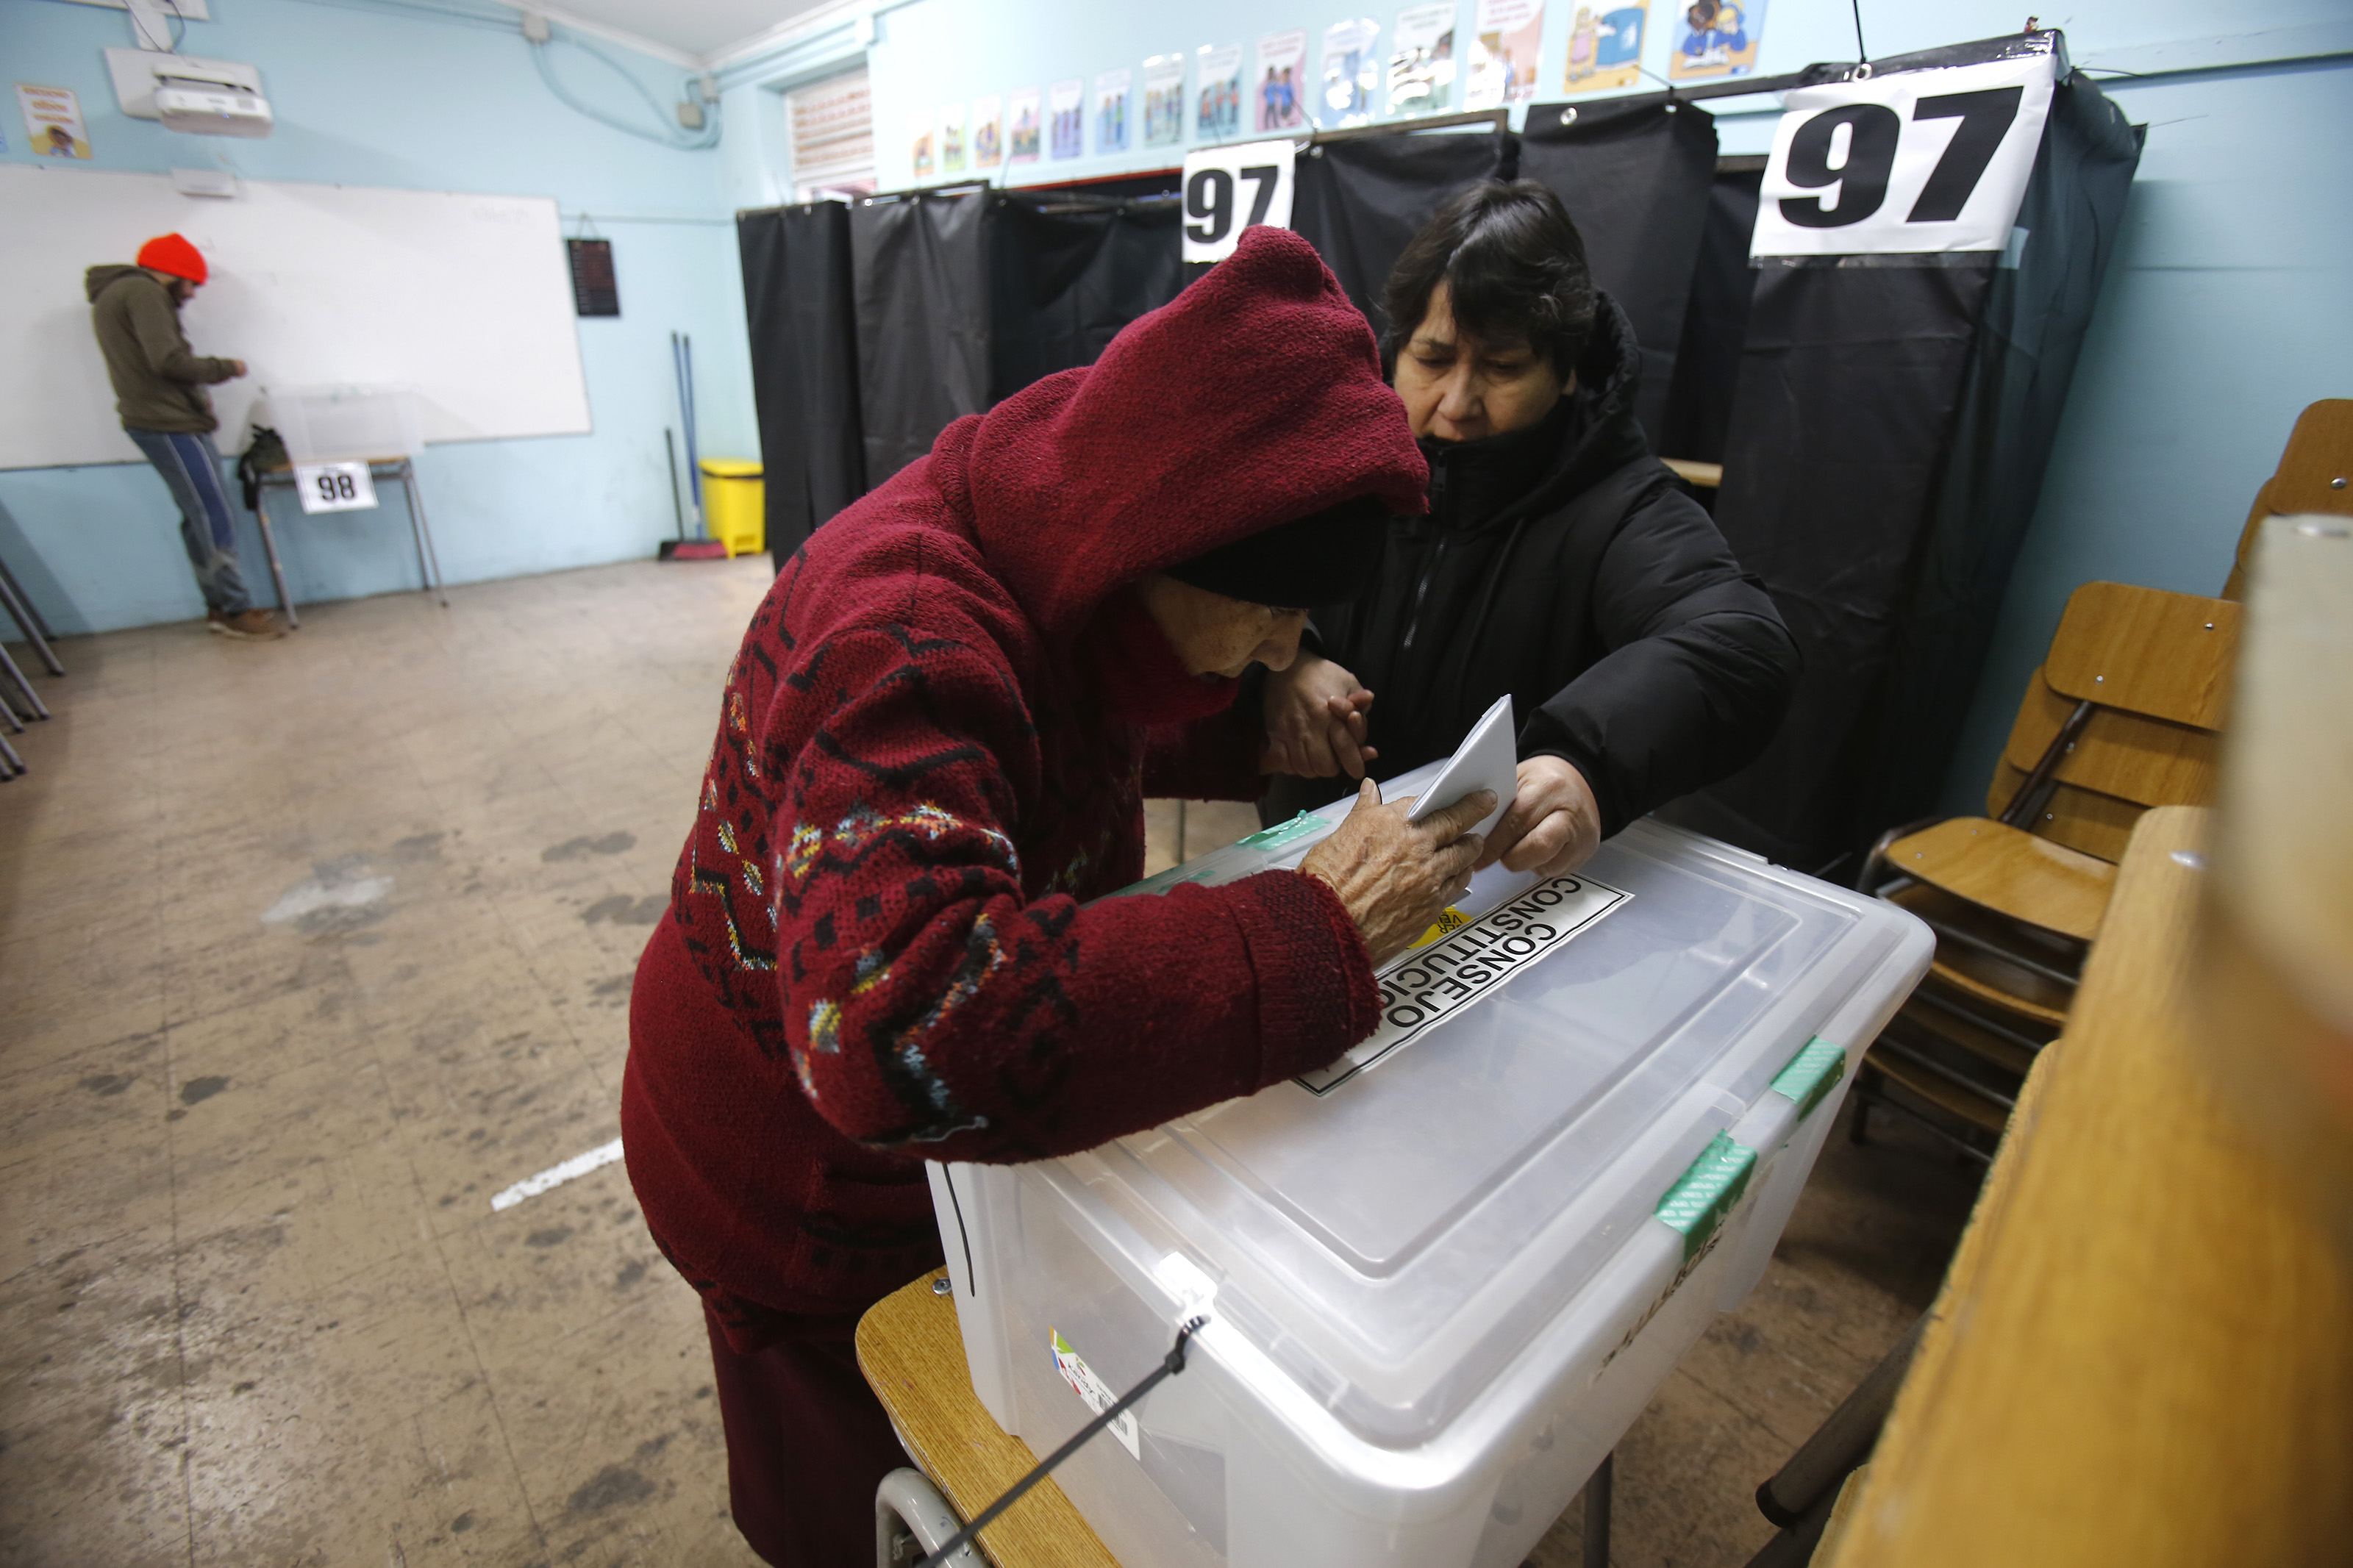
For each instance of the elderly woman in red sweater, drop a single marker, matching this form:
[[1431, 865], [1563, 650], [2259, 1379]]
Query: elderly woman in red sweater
[[933, 749]]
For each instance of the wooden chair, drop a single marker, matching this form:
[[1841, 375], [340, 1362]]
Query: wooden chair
[[2316, 474], [2124, 715]]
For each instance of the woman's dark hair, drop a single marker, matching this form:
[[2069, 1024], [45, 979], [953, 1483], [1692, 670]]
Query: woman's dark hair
[[1514, 267]]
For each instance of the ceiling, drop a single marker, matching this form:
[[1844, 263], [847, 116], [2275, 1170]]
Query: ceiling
[[697, 28]]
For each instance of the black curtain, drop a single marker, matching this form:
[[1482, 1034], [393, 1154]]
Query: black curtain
[[2036, 313], [1067, 272], [1715, 323], [920, 276], [1359, 201], [796, 296], [1635, 178], [1849, 383], [1886, 443]]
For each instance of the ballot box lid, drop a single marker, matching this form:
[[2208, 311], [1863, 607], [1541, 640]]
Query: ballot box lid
[[1393, 1235]]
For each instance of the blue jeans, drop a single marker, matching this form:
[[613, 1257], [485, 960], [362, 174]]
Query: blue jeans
[[192, 467]]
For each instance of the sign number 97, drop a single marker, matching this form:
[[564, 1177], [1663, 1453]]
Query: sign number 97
[[1870, 134], [1933, 161], [1230, 189], [1209, 200]]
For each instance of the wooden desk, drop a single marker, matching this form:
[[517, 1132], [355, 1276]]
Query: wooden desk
[[913, 1355], [2144, 1351]]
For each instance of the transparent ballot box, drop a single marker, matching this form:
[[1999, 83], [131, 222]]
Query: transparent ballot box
[[1443, 1275], [345, 424]]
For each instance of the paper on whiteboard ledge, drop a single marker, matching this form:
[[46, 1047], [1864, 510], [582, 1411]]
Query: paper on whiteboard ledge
[[1488, 758]]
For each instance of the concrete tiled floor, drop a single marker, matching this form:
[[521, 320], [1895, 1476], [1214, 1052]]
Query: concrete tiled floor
[[308, 948]]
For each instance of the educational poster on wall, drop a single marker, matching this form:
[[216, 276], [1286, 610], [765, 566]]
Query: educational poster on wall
[[53, 127], [1605, 47], [1163, 100], [1914, 162], [1023, 134], [988, 133], [1278, 80], [1352, 72], [919, 144], [1112, 96], [951, 139], [1504, 53], [1066, 117], [1220, 110], [1421, 60], [1716, 38]]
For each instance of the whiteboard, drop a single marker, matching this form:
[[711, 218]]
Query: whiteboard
[[465, 299]]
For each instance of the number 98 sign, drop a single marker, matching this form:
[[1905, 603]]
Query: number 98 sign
[[1932, 160], [334, 487], [1228, 189]]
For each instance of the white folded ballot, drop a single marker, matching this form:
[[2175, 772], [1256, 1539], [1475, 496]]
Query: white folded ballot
[[1488, 758]]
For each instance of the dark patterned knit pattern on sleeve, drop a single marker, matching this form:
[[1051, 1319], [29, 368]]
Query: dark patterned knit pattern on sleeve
[[933, 751]]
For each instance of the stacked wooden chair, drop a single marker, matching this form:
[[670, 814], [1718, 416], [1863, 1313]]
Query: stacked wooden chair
[[2124, 714], [2316, 475]]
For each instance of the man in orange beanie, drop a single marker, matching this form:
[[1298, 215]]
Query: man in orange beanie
[[159, 392]]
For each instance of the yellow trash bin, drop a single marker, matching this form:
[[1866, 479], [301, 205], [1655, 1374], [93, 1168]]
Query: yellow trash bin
[[735, 504]]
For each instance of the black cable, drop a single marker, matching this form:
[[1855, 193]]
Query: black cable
[[947, 1178], [1169, 1367], [1861, 55]]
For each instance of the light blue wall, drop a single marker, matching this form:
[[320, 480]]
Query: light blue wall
[[2228, 307], [400, 99]]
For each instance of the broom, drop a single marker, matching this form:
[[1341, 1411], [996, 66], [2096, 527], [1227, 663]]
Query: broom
[[681, 356]]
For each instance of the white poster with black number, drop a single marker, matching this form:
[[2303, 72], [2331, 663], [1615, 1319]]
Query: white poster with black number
[[1228, 189], [1927, 161], [334, 487]]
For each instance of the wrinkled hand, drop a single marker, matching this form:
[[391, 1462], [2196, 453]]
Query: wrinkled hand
[[1397, 877], [1554, 826], [1315, 721]]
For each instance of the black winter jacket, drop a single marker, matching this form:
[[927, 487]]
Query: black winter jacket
[[1566, 565]]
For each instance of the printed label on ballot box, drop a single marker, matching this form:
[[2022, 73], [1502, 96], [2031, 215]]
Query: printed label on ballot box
[[334, 487], [1095, 1392], [1438, 979]]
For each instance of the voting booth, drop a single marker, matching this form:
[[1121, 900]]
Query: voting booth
[[1443, 1275]]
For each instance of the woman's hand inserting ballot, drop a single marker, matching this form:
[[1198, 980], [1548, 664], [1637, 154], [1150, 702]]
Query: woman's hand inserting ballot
[[1315, 721], [1397, 876], [1554, 826]]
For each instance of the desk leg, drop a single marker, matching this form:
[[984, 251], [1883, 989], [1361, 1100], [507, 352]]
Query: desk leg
[[270, 548], [28, 620], [429, 559], [1596, 1552], [32, 698]]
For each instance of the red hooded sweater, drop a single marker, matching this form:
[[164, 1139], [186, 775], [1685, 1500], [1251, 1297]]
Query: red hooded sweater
[[935, 746]]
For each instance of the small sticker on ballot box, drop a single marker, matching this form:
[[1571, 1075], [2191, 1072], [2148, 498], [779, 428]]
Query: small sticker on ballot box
[[1458, 961], [1094, 1391]]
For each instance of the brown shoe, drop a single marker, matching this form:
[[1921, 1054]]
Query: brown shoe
[[249, 625]]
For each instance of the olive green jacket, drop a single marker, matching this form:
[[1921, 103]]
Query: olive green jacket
[[158, 383]]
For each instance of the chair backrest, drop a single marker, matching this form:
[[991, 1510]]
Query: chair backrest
[[2157, 667], [2316, 474]]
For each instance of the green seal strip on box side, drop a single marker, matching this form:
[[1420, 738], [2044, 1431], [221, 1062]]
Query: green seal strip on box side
[[1705, 1193], [1283, 832], [1811, 1073]]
